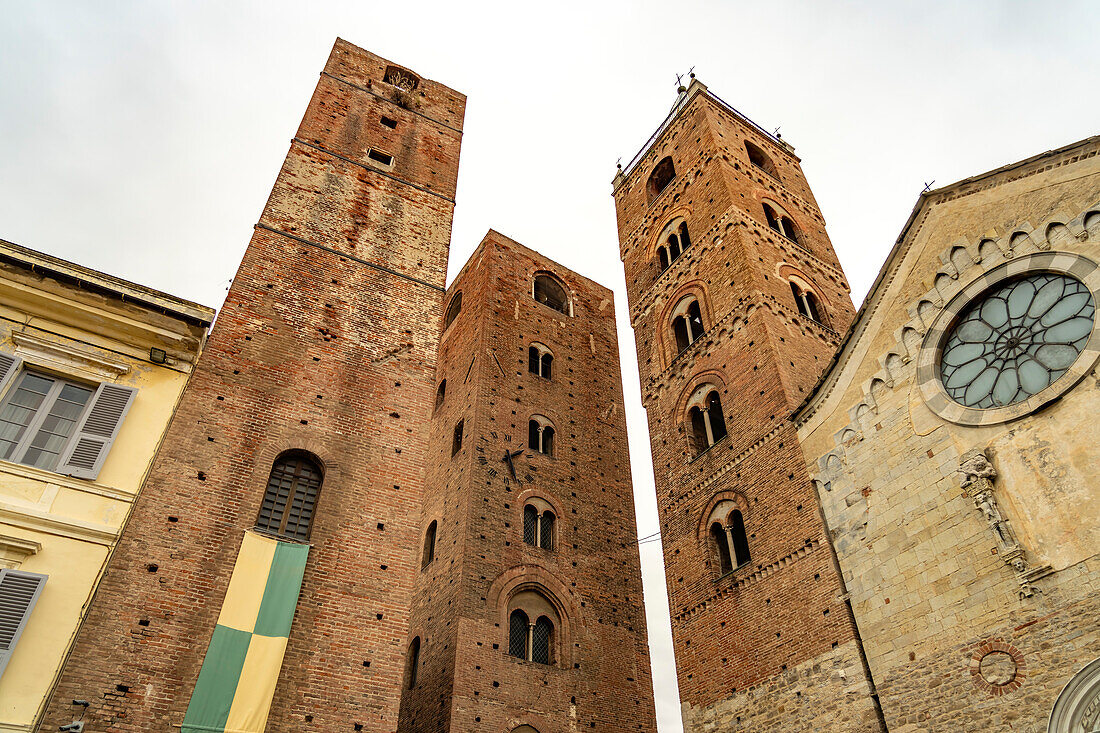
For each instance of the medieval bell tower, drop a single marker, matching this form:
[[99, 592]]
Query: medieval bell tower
[[738, 302]]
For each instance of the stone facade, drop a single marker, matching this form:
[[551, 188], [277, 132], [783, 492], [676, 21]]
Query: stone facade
[[761, 635], [326, 344], [967, 538], [587, 572]]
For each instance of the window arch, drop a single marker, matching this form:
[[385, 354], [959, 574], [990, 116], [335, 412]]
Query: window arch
[[532, 624], [662, 175], [538, 524], [760, 159], [540, 435], [453, 309], [414, 662], [440, 394], [429, 546], [806, 301], [708, 423], [729, 541], [687, 322], [672, 242], [291, 495], [540, 360], [550, 291]]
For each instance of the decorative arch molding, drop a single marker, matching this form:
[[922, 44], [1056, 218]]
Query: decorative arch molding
[[666, 220], [735, 499], [665, 341], [791, 273], [1077, 707], [543, 495], [963, 263], [712, 376], [532, 577]]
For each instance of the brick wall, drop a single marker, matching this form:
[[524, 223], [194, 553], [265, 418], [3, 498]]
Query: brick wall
[[326, 343], [600, 674]]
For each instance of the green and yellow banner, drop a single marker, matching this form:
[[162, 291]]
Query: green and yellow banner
[[237, 680]]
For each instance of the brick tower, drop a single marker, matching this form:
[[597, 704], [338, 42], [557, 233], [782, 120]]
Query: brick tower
[[318, 379], [737, 300], [527, 612]]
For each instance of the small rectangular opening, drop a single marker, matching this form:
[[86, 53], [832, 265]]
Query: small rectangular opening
[[387, 122], [380, 157]]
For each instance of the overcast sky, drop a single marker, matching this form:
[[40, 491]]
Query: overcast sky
[[142, 138]]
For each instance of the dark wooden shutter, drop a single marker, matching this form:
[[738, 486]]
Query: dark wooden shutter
[[9, 367], [94, 435], [19, 592]]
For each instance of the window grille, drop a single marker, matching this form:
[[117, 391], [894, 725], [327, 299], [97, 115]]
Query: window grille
[[517, 634], [546, 531], [530, 524], [540, 640], [291, 496]]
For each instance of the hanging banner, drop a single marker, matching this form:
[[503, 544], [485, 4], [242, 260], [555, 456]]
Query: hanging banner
[[237, 681]]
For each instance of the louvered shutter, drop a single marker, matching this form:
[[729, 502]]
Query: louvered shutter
[[19, 592], [92, 440], [9, 367]]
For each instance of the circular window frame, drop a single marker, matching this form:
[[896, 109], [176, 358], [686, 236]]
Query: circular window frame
[[928, 358]]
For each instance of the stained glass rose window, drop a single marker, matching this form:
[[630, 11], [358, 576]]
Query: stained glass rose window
[[1016, 340]]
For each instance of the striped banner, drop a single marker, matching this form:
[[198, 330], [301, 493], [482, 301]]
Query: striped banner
[[237, 680]]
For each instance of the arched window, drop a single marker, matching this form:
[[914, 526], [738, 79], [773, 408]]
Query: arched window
[[517, 634], [687, 322], [532, 640], [727, 535], [540, 435], [539, 360], [721, 545], [440, 394], [708, 424], [672, 242], [662, 175], [760, 159], [772, 219], [736, 524], [806, 302], [456, 438], [531, 525], [414, 662], [291, 496], [789, 230], [549, 291], [540, 640], [452, 310], [429, 546]]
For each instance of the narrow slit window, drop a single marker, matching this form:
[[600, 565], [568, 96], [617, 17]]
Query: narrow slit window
[[429, 545], [414, 661], [456, 438]]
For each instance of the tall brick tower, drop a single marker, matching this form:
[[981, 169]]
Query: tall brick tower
[[737, 302], [528, 610], [306, 421]]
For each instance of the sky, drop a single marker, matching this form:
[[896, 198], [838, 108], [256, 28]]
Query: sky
[[142, 138]]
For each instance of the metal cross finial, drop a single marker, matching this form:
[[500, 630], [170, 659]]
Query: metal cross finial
[[928, 186], [679, 80], [691, 73]]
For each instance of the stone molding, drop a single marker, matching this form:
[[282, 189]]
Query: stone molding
[[1078, 705], [66, 358], [15, 550]]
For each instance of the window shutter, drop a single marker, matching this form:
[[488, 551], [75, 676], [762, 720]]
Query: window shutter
[[9, 367], [19, 592], [92, 440]]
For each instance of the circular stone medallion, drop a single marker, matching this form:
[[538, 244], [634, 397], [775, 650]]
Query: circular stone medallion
[[998, 668]]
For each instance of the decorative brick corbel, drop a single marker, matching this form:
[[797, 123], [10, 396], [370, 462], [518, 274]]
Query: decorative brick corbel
[[978, 474]]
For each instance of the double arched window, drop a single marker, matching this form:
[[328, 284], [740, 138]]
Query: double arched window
[[539, 360], [687, 322], [662, 175], [429, 546], [532, 621], [806, 301], [550, 291], [760, 159], [291, 495], [672, 243], [538, 525], [708, 424], [781, 223], [727, 534], [453, 309], [540, 435]]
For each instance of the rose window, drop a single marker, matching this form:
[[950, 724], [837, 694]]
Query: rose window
[[1016, 340]]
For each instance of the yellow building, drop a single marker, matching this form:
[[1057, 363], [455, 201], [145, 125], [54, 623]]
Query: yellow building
[[91, 370]]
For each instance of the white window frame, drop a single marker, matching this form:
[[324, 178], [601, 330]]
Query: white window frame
[[30, 432]]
